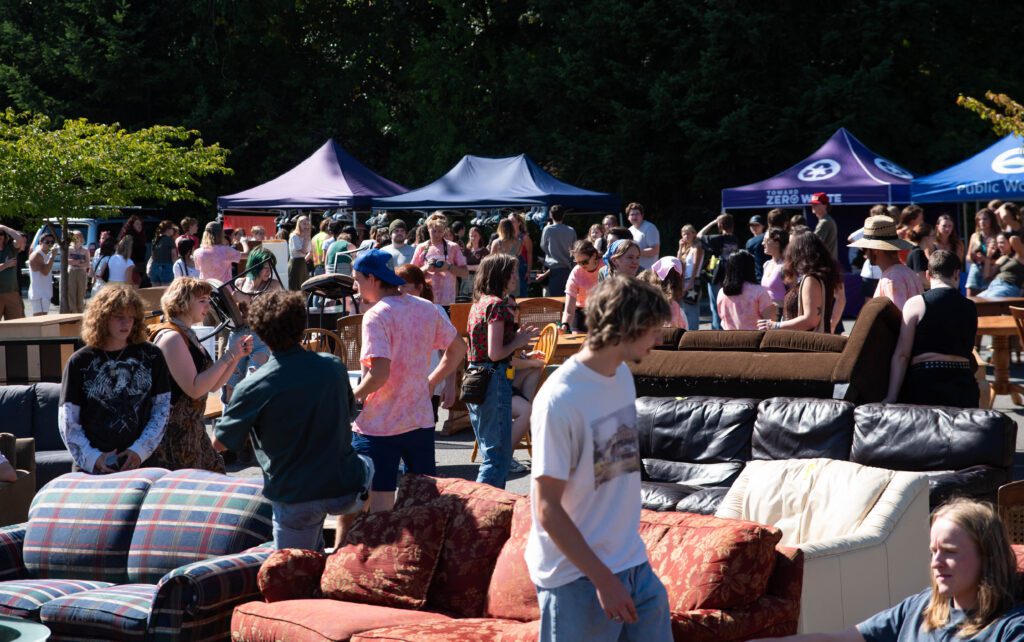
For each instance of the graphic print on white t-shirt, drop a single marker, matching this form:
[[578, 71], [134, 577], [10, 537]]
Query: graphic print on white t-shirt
[[616, 445]]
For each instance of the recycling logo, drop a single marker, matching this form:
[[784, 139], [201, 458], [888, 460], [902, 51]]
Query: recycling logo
[[1009, 162], [890, 167], [819, 170]]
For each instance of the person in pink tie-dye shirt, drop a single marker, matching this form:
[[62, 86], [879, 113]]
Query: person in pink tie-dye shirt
[[441, 260], [881, 247], [742, 301]]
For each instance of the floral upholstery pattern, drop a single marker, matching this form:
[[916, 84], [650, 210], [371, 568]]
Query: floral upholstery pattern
[[480, 518], [320, 620], [464, 630], [388, 558], [711, 563], [291, 574], [512, 595]]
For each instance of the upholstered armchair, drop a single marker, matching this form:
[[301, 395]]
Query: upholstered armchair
[[16, 496], [863, 532]]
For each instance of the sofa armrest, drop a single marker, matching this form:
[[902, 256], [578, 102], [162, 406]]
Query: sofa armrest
[[12, 564], [16, 497], [25, 456], [291, 574]]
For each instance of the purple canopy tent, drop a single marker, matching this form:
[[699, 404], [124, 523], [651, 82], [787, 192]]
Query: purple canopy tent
[[328, 179], [844, 168]]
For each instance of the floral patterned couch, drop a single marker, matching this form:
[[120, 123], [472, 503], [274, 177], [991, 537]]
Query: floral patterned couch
[[447, 564]]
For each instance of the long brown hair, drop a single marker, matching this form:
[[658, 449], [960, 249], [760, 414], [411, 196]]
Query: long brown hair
[[807, 255], [493, 276], [998, 568]]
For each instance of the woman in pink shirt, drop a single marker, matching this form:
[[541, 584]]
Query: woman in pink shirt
[[582, 278], [213, 259], [775, 241], [741, 301], [441, 260]]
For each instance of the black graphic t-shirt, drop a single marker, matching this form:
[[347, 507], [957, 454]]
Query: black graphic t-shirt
[[114, 401]]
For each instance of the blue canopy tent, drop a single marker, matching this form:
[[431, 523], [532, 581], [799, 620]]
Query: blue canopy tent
[[844, 168], [997, 172], [477, 182]]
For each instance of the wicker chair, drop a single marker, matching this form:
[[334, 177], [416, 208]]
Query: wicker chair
[[1010, 500], [350, 331], [321, 340], [540, 311]]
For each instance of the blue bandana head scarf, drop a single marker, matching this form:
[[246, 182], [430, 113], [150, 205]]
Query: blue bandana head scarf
[[611, 250]]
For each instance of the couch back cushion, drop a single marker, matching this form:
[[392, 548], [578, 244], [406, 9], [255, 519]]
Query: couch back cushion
[[788, 428], [191, 515], [798, 341], [388, 558], [722, 340], [44, 417], [17, 403], [927, 438], [80, 526], [479, 524], [864, 364], [697, 440], [809, 500], [710, 563], [511, 594]]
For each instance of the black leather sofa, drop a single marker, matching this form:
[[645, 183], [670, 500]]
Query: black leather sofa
[[694, 448], [31, 411]]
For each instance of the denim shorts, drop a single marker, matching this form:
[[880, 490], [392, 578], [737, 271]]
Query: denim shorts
[[573, 612], [161, 273], [415, 448], [301, 524]]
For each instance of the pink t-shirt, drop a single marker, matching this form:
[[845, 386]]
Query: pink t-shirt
[[443, 282], [215, 262], [678, 318], [741, 311], [899, 283], [579, 283], [406, 330]]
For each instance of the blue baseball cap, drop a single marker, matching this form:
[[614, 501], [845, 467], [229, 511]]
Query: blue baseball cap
[[378, 263]]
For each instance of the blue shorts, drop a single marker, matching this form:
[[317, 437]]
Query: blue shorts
[[415, 448]]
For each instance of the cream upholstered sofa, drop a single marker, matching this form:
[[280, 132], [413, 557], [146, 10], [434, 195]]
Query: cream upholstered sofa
[[863, 532]]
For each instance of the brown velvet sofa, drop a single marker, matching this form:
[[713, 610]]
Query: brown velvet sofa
[[778, 363]]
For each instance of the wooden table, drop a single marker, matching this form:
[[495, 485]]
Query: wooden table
[[214, 408], [46, 326], [996, 306], [1001, 328], [567, 345]]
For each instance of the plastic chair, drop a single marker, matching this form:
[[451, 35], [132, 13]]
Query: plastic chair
[[1010, 501], [322, 340]]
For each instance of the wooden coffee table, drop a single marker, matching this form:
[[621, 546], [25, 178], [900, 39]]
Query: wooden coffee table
[[1001, 328]]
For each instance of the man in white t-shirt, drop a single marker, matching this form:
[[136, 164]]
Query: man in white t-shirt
[[584, 552], [645, 234]]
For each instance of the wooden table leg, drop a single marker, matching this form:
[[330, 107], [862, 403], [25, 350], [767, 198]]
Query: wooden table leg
[[1001, 369]]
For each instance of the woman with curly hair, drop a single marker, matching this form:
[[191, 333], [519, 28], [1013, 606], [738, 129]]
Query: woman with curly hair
[[816, 297], [115, 394], [193, 376]]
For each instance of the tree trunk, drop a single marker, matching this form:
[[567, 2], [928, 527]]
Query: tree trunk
[[65, 243]]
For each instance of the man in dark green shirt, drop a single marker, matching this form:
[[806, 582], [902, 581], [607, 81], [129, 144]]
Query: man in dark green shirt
[[296, 408], [11, 244]]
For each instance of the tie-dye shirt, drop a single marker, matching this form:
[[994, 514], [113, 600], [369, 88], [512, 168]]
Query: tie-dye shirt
[[899, 283]]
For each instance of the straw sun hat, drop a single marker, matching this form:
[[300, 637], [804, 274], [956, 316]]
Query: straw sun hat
[[880, 234]]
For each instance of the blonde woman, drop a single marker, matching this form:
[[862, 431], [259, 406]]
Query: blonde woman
[[213, 259], [300, 250], [691, 254], [441, 260], [115, 395], [507, 242], [525, 255], [121, 268], [79, 260]]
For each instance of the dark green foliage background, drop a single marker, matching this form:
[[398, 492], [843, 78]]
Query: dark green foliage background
[[662, 102]]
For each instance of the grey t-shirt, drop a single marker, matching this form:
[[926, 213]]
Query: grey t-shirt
[[402, 254], [902, 623], [646, 236], [556, 242], [829, 234]]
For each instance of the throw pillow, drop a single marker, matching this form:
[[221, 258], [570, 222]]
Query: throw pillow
[[291, 574]]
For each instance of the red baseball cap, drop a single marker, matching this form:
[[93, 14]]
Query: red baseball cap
[[819, 198]]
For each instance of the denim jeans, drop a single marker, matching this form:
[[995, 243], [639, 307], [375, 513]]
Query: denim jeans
[[692, 314], [573, 612], [998, 288], [716, 323], [242, 368], [301, 524], [492, 425], [161, 273]]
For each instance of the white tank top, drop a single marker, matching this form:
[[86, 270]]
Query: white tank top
[[40, 285]]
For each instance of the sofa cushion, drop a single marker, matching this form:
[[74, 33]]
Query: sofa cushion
[[788, 428], [798, 341], [320, 620], [44, 417], [114, 613], [291, 574], [663, 496], [191, 515], [703, 502], [717, 340], [800, 497], [512, 594], [80, 526], [465, 630], [711, 563], [17, 403], [479, 522], [700, 430], [23, 598], [681, 472], [388, 558]]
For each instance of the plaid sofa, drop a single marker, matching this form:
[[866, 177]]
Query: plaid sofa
[[139, 555]]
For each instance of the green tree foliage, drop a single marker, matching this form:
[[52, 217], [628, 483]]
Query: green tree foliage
[[77, 168], [662, 102], [1005, 114]]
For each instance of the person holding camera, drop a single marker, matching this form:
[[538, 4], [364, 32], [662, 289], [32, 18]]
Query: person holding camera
[[442, 260], [115, 394], [40, 265]]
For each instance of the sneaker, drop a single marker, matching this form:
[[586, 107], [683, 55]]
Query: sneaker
[[517, 467]]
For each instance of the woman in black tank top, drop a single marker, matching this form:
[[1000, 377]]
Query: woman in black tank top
[[934, 359]]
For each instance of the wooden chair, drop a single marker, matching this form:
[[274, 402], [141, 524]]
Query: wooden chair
[[459, 315], [1010, 502], [540, 311], [547, 341], [350, 331], [322, 340]]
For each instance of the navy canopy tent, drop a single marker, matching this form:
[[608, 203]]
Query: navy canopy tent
[[844, 168], [997, 172], [330, 178], [478, 183]]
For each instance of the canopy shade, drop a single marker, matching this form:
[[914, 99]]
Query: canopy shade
[[478, 182], [330, 178], [844, 168], [997, 172]]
